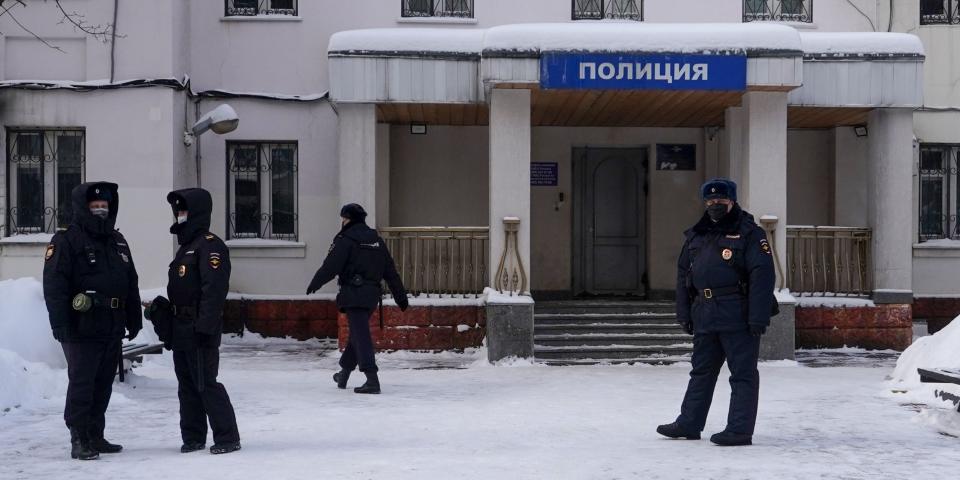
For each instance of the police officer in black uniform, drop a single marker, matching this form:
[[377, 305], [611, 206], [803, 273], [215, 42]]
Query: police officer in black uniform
[[198, 281], [725, 282], [90, 288], [360, 260]]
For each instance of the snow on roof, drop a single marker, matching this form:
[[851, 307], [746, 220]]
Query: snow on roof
[[407, 40], [861, 44], [605, 36], [602, 36]]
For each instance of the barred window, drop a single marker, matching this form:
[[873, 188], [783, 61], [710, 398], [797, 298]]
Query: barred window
[[939, 12], [43, 167], [437, 8], [251, 8], [939, 203], [262, 189], [778, 11], [607, 9]]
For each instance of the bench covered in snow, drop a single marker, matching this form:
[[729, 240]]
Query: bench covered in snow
[[134, 352], [942, 375]]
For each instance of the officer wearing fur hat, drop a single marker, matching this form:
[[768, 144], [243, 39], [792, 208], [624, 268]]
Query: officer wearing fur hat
[[725, 282], [90, 288], [360, 260]]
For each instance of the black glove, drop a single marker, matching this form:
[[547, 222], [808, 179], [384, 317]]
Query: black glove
[[311, 289], [132, 333], [403, 303], [757, 330], [687, 327], [60, 334]]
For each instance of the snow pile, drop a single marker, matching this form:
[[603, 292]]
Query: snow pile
[[32, 367], [941, 350], [861, 43], [408, 40]]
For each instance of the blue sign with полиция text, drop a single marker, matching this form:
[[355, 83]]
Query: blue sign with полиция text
[[611, 71]]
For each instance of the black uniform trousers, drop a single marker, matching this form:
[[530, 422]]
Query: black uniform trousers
[[91, 366], [741, 351], [202, 397], [359, 349]]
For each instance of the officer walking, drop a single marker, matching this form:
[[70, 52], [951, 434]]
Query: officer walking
[[360, 260], [198, 281], [90, 288], [725, 282]]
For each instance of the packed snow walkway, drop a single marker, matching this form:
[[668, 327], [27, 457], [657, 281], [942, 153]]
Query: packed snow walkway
[[450, 416]]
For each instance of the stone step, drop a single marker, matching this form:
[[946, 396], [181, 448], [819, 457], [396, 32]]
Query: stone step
[[596, 318], [665, 360], [599, 339], [607, 328], [610, 352], [590, 306]]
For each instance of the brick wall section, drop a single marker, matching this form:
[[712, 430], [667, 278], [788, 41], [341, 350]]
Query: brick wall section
[[880, 327], [300, 319], [432, 328], [938, 312]]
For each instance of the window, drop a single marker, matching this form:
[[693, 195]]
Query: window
[[939, 12], [608, 9], [437, 8], [939, 202], [250, 8], [262, 190], [778, 11], [43, 167]]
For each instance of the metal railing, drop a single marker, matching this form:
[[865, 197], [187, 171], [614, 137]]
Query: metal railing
[[437, 8], [829, 260], [778, 10], [440, 260], [939, 12], [607, 9], [250, 8]]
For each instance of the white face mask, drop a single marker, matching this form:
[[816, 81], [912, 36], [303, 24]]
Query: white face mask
[[181, 219], [100, 212]]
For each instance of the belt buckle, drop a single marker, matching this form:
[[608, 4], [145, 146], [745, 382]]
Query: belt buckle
[[114, 303], [707, 293]]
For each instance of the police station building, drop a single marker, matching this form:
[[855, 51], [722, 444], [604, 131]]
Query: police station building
[[549, 148]]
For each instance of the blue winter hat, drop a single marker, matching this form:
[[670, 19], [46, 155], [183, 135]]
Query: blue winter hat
[[719, 188]]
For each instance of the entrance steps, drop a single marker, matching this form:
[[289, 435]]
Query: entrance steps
[[588, 332]]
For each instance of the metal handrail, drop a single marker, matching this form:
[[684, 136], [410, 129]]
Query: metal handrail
[[829, 260], [440, 260]]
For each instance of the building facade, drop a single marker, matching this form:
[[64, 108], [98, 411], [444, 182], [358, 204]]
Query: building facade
[[444, 125]]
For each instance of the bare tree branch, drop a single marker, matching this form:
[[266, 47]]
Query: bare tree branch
[[78, 20], [7, 12]]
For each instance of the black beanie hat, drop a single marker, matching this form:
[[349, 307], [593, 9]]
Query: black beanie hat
[[99, 192], [353, 212]]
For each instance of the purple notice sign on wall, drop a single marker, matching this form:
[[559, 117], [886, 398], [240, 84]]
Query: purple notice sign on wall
[[543, 174]]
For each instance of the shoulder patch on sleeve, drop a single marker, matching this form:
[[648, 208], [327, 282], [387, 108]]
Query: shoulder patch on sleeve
[[50, 249], [215, 260], [765, 246], [210, 236]]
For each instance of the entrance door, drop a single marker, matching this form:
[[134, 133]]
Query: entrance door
[[610, 221]]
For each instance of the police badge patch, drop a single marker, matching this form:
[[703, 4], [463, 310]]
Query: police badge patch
[[182, 271], [47, 256], [214, 261], [124, 256], [765, 246], [727, 254]]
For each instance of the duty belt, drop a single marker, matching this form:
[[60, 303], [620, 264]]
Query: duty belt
[[710, 293], [104, 301], [183, 310]]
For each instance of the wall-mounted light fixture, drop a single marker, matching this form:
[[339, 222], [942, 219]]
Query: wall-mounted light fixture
[[418, 129], [860, 130]]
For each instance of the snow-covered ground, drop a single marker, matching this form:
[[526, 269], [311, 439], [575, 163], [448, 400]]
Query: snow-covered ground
[[450, 416], [834, 414]]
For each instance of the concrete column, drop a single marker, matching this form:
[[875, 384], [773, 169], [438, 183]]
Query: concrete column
[[509, 172], [383, 175], [763, 187], [733, 138], [358, 156], [889, 205]]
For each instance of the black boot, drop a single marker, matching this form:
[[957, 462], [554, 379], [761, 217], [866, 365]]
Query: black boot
[[192, 447], [732, 439], [221, 448], [372, 384], [100, 444], [674, 430], [341, 378], [80, 446]]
